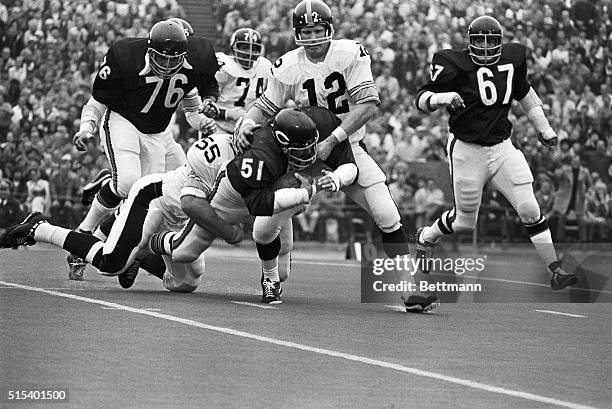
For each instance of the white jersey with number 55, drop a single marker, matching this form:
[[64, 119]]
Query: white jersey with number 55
[[239, 87], [337, 83], [197, 177]]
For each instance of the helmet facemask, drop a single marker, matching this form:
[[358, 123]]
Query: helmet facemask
[[164, 65], [246, 53], [485, 49]]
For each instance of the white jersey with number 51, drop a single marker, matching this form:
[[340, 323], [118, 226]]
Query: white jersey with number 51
[[337, 83]]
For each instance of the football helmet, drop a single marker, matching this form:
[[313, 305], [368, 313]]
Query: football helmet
[[297, 135], [485, 40], [309, 13], [246, 47], [167, 48], [186, 26]]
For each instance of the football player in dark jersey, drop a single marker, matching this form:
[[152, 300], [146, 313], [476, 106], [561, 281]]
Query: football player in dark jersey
[[139, 83], [247, 187], [477, 86]]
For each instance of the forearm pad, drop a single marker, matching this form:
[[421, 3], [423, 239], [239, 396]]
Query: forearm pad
[[290, 197], [347, 173], [91, 114]]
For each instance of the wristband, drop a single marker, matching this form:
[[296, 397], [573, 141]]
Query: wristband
[[339, 134], [222, 113], [87, 126]]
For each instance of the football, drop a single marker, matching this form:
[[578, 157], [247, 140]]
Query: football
[[286, 181]]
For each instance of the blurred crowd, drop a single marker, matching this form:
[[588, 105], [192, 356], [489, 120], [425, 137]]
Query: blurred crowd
[[49, 50]]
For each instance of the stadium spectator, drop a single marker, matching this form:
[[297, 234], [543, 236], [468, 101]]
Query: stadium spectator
[[39, 194], [10, 208]]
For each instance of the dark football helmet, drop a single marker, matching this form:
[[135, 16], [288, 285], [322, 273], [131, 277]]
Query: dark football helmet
[[167, 48], [297, 135], [246, 47], [186, 26], [309, 13], [485, 40]]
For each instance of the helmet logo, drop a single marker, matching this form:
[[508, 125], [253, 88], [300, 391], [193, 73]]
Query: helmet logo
[[281, 137]]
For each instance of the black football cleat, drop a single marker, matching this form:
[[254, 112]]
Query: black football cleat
[[560, 279], [271, 292], [127, 278], [93, 187], [22, 234], [421, 302]]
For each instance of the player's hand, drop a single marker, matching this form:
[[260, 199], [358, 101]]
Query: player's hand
[[245, 134], [325, 147], [450, 100], [307, 184], [330, 181], [548, 138], [210, 108], [207, 125], [235, 235], [81, 139]]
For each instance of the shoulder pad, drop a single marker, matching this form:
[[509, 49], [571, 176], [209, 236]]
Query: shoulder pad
[[514, 53], [228, 64], [286, 64], [456, 58], [199, 51]]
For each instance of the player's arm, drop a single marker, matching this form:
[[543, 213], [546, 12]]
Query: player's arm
[[532, 105], [195, 204], [91, 114], [254, 180], [437, 93], [199, 116], [266, 106], [345, 171]]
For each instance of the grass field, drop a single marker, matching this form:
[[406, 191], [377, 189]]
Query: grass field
[[220, 348]]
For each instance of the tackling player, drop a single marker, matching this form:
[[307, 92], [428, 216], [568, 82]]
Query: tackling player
[[477, 86], [156, 202], [139, 83], [336, 74], [249, 186]]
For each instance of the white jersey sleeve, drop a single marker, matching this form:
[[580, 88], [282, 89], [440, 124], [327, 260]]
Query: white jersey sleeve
[[205, 158]]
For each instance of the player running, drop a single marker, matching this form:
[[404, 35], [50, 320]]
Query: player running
[[477, 86]]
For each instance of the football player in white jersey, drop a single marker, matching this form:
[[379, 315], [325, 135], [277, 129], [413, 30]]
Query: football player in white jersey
[[335, 74], [242, 77], [156, 202]]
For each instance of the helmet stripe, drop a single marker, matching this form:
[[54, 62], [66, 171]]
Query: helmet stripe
[[309, 20]]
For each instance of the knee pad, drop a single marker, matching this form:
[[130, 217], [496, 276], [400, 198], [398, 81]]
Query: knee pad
[[265, 229], [528, 210], [469, 196], [464, 222]]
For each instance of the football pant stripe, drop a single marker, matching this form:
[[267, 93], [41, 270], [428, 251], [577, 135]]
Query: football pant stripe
[[110, 151], [180, 239]]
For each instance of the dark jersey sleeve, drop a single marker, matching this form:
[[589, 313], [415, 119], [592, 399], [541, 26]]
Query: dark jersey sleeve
[[253, 173], [202, 52], [108, 84], [517, 53]]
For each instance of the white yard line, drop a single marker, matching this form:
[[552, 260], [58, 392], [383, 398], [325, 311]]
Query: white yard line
[[251, 304], [562, 313], [321, 351]]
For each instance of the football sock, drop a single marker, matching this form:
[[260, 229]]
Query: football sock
[[395, 243], [161, 243], [48, 233], [270, 269], [94, 216], [539, 234], [442, 226]]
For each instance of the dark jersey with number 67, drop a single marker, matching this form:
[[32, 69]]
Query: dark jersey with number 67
[[487, 92], [254, 172], [126, 85]]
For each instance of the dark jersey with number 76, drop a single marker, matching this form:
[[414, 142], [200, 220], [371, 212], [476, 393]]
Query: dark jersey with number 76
[[126, 85], [487, 92]]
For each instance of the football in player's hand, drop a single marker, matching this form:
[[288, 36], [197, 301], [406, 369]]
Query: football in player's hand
[[286, 181]]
